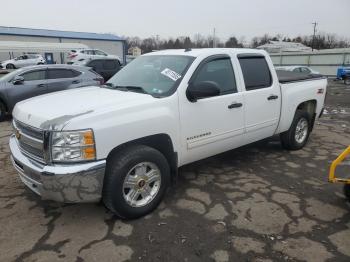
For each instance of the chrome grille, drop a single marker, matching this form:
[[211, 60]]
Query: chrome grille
[[30, 140]]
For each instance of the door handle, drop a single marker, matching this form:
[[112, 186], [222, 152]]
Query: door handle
[[235, 105], [41, 85], [272, 97], [76, 82]]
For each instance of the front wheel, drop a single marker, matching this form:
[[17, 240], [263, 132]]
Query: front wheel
[[297, 135], [347, 80], [136, 180], [2, 111], [10, 66]]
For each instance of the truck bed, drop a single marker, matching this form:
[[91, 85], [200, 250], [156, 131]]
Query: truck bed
[[288, 77]]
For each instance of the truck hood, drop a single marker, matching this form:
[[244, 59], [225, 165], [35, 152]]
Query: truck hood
[[54, 111]]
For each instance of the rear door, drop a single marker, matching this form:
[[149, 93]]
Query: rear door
[[262, 97], [62, 79], [110, 67], [97, 66], [34, 84]]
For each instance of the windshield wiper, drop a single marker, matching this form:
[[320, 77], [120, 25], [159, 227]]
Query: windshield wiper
[[137, 89]]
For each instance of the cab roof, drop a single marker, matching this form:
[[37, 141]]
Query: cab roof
[[196, 52]]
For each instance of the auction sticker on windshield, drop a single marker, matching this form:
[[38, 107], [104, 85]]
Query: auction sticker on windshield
[[171, 74]]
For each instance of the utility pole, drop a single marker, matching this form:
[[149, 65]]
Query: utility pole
[[214, 39], [313, 37]]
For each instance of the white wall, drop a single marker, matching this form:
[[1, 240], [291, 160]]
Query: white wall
[[326, 62], [111, 47]]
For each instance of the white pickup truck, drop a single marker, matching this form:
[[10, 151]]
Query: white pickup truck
[[123, 142]]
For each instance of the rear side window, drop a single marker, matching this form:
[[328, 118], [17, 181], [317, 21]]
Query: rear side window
[[76, 73], [305, 70], [34, 75], [111, 64], [256, 72], [98, 52], [219, 71], [60, 73]]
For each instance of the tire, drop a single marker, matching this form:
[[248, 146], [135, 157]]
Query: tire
[[347, 191], [2, 111], [10, 66], [121, 168], [289, 139], [347, 81]]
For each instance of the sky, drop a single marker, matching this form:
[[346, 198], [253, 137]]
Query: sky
[[240, 18]]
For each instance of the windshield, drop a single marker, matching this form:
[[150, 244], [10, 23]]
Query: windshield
[[8, 77], [157, 75]]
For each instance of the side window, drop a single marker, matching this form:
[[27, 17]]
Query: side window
[[34, 75], [297, 70], [98, 52], [60, 73], [95, 64], [256, 72], [219, 71], [110, 65], [76, 73], [305, 70]]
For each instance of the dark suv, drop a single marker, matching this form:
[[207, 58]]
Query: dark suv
[[106, 67], [32, 81]]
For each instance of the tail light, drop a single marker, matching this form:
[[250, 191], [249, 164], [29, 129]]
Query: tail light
[[71, 56], [101, 80]]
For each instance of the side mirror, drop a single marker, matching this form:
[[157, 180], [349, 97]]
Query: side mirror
[[18, 80], [202, 90]]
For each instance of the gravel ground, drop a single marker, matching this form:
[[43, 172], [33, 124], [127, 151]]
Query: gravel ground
[[256, 203]]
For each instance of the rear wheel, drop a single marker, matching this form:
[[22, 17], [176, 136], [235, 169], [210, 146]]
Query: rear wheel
[[2, 111], [297, 135], [10, 66], [136, 180]]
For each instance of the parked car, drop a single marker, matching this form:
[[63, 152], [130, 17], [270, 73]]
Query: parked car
[[86, 54], [124, 142], [298, 69], [37, 80], [22, 61], [106, 67], [343, 73]]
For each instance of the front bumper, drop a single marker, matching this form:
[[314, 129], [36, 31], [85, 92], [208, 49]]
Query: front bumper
[[81, 182]]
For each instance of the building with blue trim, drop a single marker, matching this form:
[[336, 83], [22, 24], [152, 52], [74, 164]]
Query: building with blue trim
[[109, 43]]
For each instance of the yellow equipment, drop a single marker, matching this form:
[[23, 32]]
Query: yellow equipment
[[333, 179]]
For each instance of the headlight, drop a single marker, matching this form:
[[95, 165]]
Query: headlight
[[73, 146]]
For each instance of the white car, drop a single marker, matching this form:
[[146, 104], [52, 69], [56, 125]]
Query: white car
[[298, 69], [23, 60], [123, 142], [78, 57]]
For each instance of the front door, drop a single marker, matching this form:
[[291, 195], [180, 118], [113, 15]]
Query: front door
[[262, 97], [216, 124], [34, 84]]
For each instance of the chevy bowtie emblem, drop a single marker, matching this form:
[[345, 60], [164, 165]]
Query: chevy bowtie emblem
[[18, 134]]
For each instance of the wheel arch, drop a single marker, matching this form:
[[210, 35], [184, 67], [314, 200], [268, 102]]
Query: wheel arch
[[310, 107], [162, 142], [2, 100]]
